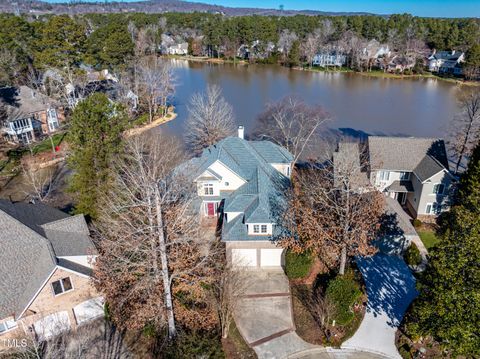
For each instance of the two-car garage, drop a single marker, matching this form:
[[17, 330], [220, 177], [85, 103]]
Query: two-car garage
[[257, 257]]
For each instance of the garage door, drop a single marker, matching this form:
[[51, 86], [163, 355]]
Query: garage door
[[271, 257], [244, 257]]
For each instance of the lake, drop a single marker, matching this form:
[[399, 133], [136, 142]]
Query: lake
[[413, 107]]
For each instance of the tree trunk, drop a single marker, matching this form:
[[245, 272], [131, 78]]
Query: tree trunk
[[172, 330], [464, 145], [343, 261]]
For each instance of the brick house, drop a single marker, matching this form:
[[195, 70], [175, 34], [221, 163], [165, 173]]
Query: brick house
[[30, 115], [45, 267]]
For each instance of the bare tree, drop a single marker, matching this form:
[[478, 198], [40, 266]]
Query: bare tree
[[210, 119], [335, 212], [151, 243], [465, 127], [311, 45], [155, 83], [42, 182], [291, 123], [228, 289], [285, 42]]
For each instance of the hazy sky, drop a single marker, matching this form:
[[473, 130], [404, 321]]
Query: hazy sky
[[437, 8], [433, 8]]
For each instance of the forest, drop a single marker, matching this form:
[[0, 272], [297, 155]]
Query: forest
[[111, 40]]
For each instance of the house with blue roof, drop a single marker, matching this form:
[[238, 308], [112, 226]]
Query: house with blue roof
[[243, 184]]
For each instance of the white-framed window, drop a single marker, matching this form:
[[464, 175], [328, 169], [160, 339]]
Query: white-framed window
[[438, 188], [227, 184], [288, 171], [208, 189], [256, 228], [404, 176], [384, 175], [433, 208], [263, 228], [7, 325], [52, 119], [61, 286]]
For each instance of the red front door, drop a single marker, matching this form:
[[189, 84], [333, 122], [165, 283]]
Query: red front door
[[210, 209]]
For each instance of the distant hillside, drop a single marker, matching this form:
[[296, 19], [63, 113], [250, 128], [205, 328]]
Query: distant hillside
[[155, 6]]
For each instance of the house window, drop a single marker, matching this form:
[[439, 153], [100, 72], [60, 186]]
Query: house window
[[256, 228], [263, 228], [384, 175], [208, 189], [7, 325], [438, 188], [52, 119], [227, 184], [433, 208], [404, 176], [288, 171], [62, 286]]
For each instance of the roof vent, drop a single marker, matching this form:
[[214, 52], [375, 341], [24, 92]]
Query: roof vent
[[241, 132]]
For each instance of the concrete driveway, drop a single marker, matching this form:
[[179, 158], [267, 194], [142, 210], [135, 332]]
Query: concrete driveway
[[264, 316], [390, 289]]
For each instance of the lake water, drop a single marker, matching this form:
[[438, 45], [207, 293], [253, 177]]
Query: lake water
[[413, 107]]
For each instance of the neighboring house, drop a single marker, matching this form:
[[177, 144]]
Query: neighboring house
[[45, 267], [30, 114], [111, 88], [414, 171], [401, 63], [173, 46], [326, 59], [243, 183], [447, 62]]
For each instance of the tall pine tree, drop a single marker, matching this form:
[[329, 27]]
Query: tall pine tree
[[95, 137], [448, 307]]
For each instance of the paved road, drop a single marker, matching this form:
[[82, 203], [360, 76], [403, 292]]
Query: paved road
[[390, 289]]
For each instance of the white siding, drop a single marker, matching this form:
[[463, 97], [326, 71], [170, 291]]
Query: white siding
[[234, 181], [283, 168]]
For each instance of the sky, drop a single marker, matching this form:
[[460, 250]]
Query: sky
[[430, 8], [427, 8]]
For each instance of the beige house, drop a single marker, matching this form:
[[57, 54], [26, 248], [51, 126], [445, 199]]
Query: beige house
[[414, 171], [30, 114], [45, 266]]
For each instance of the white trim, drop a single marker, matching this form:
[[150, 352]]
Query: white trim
[[38, 292]]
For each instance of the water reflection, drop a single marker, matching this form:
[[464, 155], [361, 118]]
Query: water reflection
[[421, 107]]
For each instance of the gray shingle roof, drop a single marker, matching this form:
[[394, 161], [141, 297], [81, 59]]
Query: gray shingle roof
[[401, 186], [23, 101], [32, 237], [426, 156], [261, 199]]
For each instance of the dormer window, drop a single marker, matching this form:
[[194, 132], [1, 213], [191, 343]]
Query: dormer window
[[263, 228], [256, 228], [259, 229], [208, 189]]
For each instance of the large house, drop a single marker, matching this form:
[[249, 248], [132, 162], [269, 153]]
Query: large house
[[447, 62], [45, 267], [243, 183], [30, 114], [414, 171]]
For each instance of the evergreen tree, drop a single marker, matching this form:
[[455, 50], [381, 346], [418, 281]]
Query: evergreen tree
[[293, 58], [472, 63], [95, 137], [448, 307]]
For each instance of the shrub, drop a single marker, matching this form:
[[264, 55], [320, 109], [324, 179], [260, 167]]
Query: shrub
[[405, 352], [195, 345], [417, 223], [343, 291], [412, 255], [297, 265]]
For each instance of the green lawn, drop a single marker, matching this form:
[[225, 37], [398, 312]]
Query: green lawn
[[429, 238], [46, 145]]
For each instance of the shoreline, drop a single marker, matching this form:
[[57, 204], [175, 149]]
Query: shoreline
[[375, 73], [158, 122]]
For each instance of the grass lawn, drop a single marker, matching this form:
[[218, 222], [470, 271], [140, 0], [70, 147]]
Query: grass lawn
[[46, 145], [429, 238], [297, 265]]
